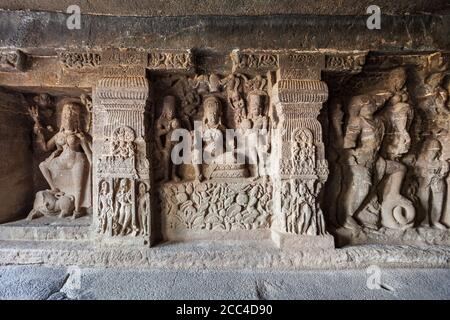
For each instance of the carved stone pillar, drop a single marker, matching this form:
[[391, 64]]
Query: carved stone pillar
[[299, 168], [121, 170]]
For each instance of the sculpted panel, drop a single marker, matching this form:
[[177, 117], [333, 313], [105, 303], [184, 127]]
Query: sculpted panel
[[386, 141], [67, 169]]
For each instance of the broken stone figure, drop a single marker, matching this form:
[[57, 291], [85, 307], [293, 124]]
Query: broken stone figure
[[362, 142], [431, 172], [143, 208], [165, 125], [258, 141], [67, 169]]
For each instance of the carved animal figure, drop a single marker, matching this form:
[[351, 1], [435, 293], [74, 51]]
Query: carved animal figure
[[52, 203]]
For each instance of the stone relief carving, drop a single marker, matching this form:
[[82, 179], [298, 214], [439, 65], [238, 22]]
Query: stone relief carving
[[388, 152], [122, 174], [256, 61], [170, 60], [80, 60], [300, 209], [165, 125], [217, 206], [386, 144], [51, 203], [67, 169], [218, 102]]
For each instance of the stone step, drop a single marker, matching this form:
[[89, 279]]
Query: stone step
[[250, 255]]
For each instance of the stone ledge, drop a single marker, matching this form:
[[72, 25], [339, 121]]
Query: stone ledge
[[48, 228], [227, 255]]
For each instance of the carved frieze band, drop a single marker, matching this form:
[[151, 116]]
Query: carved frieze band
[[129, 61], [345, 62], [254, 61]]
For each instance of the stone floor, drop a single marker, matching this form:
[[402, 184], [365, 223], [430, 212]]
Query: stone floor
[[38, 282]]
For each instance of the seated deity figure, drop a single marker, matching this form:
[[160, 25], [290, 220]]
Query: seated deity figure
[[165, 125], [362, 142], [209, 154], [431, 172], [67, 169], [258, 141]]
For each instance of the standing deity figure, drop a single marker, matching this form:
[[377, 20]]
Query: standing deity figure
[[431, 172], [362, 142], [143, 208], [397, 212], [105, 209], [236, 101], [165, 125], [67, 169], [124, 207], [258, 141]]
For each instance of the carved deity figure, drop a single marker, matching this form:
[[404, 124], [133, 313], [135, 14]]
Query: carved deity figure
[[362, 140], [143, 208], [397, 212], [236, 100], [165, 125], [303, 151], [67, 169], [431, 172], [105, 209], [124, 208], [212, 135], [299, 206], [258, 141]]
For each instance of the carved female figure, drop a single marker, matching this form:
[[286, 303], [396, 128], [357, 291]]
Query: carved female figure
[[68, 167], [124, 206], [431, 174], [143, 208], [165, 125], [105, 212]]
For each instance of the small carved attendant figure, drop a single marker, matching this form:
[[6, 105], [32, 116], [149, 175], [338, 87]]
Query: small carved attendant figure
[[105, 210], [431, 173], [258, 140], [67, 169], [124, 206], [143, 208], [399, 117], [165, 125]]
